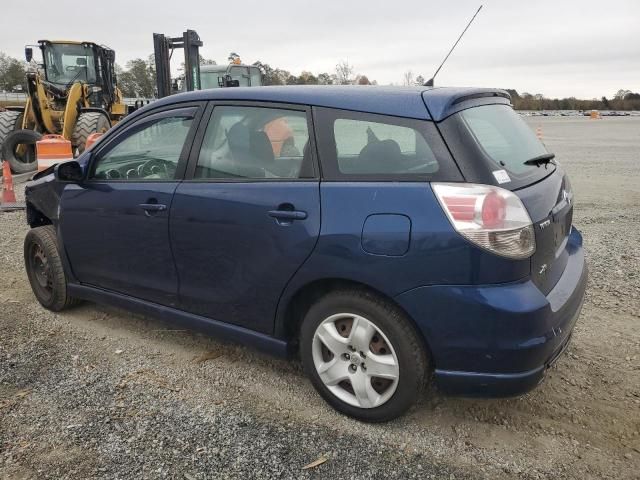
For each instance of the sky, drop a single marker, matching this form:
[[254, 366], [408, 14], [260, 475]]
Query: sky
[[560, 48]]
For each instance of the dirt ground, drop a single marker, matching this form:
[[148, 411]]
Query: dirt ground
[[96, 392]]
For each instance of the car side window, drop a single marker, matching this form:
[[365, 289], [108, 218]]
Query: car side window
[[244, 142], [360, 146], [151, 153], [368, 147]]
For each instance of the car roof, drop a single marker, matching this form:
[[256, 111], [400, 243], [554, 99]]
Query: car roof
[[426, 103]]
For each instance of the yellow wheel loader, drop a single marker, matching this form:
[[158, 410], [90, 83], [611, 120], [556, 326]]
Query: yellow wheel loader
[[72, 93]]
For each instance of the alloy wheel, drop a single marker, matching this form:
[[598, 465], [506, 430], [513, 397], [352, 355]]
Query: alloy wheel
[[355, 360]]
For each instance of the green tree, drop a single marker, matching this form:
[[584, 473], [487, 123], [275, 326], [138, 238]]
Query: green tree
[[307, 78], [12, 73], [139, 79], [326, 79]]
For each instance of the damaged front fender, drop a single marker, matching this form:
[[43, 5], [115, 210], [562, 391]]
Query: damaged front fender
[[42, 195]]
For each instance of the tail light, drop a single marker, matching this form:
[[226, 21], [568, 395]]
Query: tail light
[[491, 217]]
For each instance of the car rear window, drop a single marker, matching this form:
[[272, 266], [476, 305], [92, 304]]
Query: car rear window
[[364, 146], [504, 137], [491, 143]]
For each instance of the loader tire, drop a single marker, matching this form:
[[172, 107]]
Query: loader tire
[[10, 120], [21, 163], [88, 123]]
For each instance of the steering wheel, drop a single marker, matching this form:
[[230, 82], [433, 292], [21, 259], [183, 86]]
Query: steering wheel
[[156, 166], [71, 68]]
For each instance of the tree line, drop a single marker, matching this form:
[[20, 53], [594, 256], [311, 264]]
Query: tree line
[[138, 79], [621, 100]]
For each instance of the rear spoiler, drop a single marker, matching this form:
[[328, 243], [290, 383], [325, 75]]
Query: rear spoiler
[[444, 102]]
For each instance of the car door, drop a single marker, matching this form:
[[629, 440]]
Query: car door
[[248, 213], [115, 224]]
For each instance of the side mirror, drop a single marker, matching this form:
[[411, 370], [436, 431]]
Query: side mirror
[[28, 53], [70, 171]]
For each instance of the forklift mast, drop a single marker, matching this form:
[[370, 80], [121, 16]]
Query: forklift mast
[[163, 49]]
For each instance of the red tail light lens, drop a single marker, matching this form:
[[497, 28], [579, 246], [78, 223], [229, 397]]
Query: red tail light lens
[[494, 210], [491, 217]]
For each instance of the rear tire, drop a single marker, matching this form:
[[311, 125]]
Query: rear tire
[[373, 336], [88, 123], [21, 163], [44, 269]]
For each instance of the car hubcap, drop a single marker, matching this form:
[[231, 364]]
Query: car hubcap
[[355, 360]]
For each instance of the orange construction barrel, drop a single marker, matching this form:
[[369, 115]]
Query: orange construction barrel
[[91, 139], [52, 149]]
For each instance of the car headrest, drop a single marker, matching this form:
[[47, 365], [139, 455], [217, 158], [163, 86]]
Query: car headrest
[[261, 148], [238, 136], [306, 167], [380, 157]]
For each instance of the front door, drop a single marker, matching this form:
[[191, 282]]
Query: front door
[[248, 214], [115, 225]]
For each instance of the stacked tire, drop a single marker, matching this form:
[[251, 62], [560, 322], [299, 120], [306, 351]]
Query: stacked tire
[[11, 136]]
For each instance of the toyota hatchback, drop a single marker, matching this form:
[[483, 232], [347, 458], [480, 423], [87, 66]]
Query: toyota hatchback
[[391, 237]]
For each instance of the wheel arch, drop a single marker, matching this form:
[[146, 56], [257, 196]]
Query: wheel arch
[[294, 307], [35, 218]]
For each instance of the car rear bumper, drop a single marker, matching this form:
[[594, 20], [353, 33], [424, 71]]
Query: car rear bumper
[[498, 340]]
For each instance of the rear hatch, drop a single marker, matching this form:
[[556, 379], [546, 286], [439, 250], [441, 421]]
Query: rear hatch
[[492, 145]]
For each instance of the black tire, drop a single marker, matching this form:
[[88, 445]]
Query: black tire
[[10, 120], [21, 163], [88, 123], [44, 269], [412, 356]]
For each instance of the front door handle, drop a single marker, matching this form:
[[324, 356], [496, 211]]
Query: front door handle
[[152, 208], [288, 214]]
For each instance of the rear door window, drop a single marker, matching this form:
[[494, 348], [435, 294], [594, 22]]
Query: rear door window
[[362, 146]]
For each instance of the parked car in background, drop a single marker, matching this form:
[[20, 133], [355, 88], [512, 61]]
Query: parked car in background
[[403, 235]]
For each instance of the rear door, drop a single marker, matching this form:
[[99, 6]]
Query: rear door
[[248, 214], [115, 225]]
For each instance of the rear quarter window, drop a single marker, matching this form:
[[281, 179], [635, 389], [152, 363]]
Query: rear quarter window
[[362, 146]]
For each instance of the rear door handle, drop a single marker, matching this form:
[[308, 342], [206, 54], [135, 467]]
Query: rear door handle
[[288, 214]]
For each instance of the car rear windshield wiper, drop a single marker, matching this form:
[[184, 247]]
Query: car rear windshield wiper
[[543, 159]]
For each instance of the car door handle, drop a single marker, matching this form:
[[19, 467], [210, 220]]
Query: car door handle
[[288, 214], [150, 208]]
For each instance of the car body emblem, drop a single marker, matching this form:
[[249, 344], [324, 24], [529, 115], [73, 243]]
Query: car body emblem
[[543, 269], [544, 224], [565, 196]]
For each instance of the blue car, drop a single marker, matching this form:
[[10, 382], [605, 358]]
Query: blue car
[[393, 238]]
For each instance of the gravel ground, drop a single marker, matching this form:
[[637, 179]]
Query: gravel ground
[[96, 392]]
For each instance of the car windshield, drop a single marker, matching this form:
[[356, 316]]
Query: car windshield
[[504, 137], [67, 63]]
